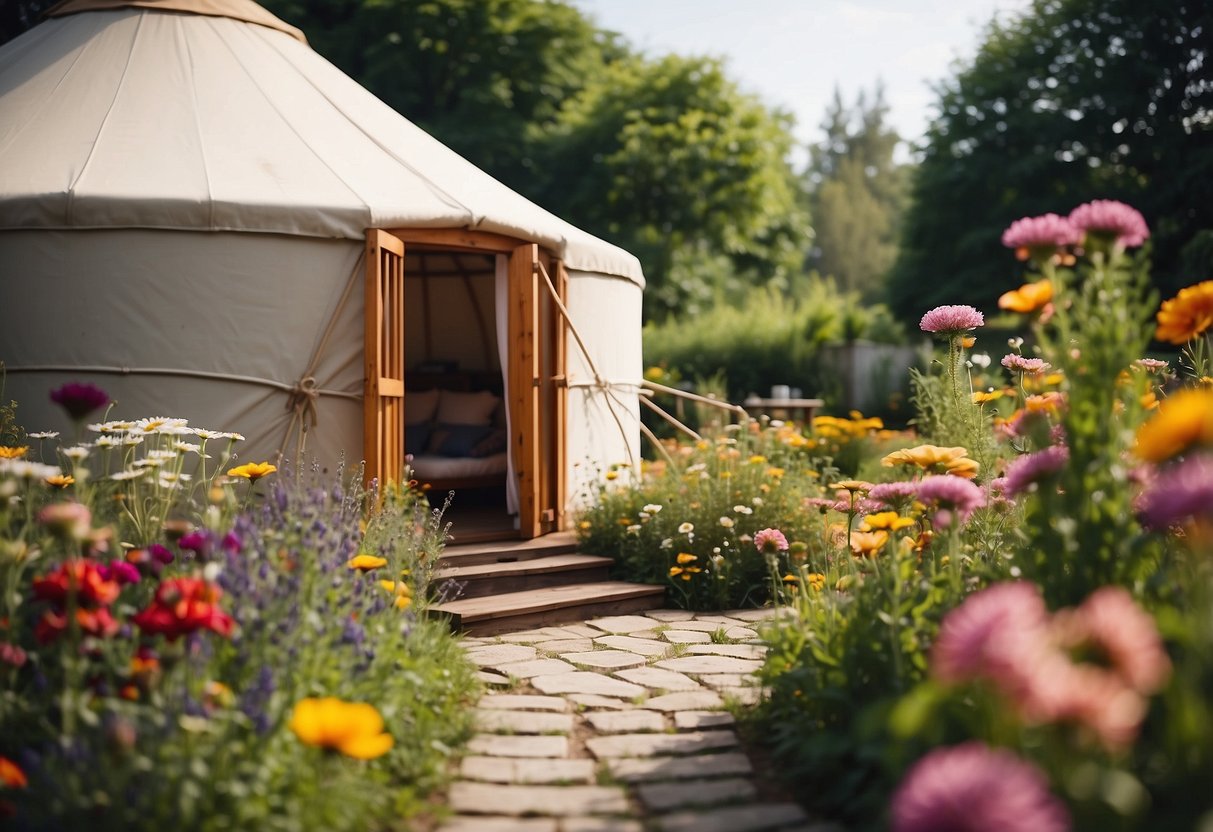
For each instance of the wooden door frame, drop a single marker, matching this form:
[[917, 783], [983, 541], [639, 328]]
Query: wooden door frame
[[537, 362]]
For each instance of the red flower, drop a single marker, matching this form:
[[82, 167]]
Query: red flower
[[183, 605], [90, 583], [96, 622]]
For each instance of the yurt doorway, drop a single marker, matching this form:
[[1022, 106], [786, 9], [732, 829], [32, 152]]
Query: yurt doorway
[[465, 374]]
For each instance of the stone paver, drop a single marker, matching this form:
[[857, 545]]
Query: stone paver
[[522, 722], [710, 664], [490, 655], [623, 624], [734, 819], [605, 659], [536, 770], [648, 716], [737, 651], [657, 679], [512, 799], [643, 646], [535, 667], [653, 745], [499, 745], [694, 700], [582, 681], [522, 702], [698, 720], [686, 637], [626, 722], [662, 797], [650, 769]]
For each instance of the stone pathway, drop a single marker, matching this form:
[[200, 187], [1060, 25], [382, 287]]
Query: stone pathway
[[617, 724]]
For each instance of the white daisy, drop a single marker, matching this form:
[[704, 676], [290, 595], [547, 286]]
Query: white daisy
[[109, 440], [686, 528], [27, 470], [743, 509], [727, 522], [76, 452], [44, 434], [111, 427], [652, 508], [158, 424], [128, 475]]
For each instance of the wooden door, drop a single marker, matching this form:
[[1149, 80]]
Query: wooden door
[[383, 391]]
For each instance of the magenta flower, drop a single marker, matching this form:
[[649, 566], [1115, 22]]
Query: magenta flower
[[949, 494], [1109, 218], [893, 493], [79, 400], [1182, 491], [121, 571], [770, 541], [951, 320], [975, 788], [1047, 232], [1017, 363], [1034, 467], [996, 633]]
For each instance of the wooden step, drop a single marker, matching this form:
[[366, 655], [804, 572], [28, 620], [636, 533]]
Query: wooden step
[[508, 551], [515, 576], [552, 605]]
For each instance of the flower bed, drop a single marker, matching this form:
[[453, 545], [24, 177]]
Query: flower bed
[[194, 645]]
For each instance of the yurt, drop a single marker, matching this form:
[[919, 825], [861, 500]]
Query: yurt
[[205, 218]]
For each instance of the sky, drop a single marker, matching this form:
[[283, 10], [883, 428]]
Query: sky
[[793, 53]]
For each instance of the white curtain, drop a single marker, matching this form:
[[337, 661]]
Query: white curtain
[[502, 306]]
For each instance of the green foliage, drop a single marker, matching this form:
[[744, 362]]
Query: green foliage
[[857, 195], [141, 727], [1072, 100], [688, 173], [767, 338]]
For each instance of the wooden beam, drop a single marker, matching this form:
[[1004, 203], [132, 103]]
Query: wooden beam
[[560, 371], [460, 239], [383, 357], [524, 378]]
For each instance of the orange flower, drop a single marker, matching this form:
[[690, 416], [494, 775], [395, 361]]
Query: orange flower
[[869, 544], [1182, 420], [354, 729], [1044, 403], [1027, 298], [1187, 315], [11, 775], [817, 581], [935, 458], [13, 451], [60, 480]]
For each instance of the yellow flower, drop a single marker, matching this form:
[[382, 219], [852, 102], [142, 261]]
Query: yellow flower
[[585, 525], [686, 557], [252, 471], [868, 544], [684, 572], [60, 480], [817, 581], [1149, 400], [1181, 421], [981, 397], [775, 473], [1187, 315], [401, 590], [612, 475], [967, 341], [13, 451], [790, 579], [365, 563], [853, 486], [933, 457], [355, 729], [887, 520], [757, 459], [1027, 298]]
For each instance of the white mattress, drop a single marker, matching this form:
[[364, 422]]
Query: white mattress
[[427, 467]]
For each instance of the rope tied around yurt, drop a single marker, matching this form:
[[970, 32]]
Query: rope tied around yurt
[[305, 393]]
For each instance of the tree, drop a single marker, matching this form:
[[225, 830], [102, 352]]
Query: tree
[[856, 195], [485, 77], [670, 160], [1074, 100]]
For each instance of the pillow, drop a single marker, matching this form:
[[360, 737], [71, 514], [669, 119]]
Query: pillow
[[419, 407], [494, 442], [457, 440], [416, 438], [466, 408]]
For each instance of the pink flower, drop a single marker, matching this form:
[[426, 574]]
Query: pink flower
[[997, 633], [1090, 697], [1015, 362], [1107, 217], [1121, 633], [72, 520], [975, 788], [1151, 364], [893, 493], [951, 320], [1182, 491], [1034, 467], [770, 541], [950, 494], [1045, 232]]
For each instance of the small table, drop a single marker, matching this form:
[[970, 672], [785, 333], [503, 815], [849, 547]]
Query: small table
[[795, 409]]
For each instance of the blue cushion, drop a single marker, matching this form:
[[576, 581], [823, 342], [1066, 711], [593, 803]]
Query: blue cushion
[[457, 440], [494, 442], [416, 438]]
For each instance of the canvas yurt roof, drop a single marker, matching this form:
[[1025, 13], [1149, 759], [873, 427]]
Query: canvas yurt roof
[[213, 115]]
